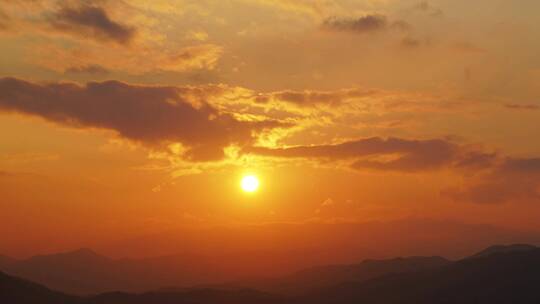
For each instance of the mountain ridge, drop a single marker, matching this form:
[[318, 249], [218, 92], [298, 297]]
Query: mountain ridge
[[495, 249], [85, 272], [309, 279], [504, 277]]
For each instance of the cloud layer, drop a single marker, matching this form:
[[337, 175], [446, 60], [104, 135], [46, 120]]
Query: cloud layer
[[488, 178], [151, 115]]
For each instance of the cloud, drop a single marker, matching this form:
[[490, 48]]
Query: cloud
[[426, 7], [203, 56], [521, 166], [197, 35], [409, 42], [369, 23], [414, 155], [376, 153], [315, 8], [313, 97], [91, 69], [91, 21], [27, 157], [489, 178], [132, 60], [512, 179], [68, 32], [362, 25], [327, 202], [147, 114], [337, 210], [525, 107], [4, 20], [477, 160], [467, 47]]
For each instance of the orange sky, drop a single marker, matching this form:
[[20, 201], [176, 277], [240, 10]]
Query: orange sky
[[125, 119]]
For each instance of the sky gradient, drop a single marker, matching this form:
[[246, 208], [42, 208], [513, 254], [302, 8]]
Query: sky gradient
[[125, 119]]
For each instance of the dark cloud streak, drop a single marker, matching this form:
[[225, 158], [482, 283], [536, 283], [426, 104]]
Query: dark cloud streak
[[311, 97], [364, 25], [525, 107], [408, 155], [91, 20], [93, 69]]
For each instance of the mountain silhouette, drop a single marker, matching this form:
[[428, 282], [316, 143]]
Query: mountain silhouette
[[79, 272], [317, 277], [14, 290], [502, 276], [504, 248], [84, 272]]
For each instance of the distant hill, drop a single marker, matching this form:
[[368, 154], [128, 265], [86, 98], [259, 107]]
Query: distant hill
[[317, 277], [84, 272], [504, 249], [79, 272]]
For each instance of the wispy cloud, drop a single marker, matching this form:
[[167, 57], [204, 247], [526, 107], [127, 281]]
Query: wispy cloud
[[524, 107], [363, 25], [92, 21]]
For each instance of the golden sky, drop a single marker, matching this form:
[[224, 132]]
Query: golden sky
[[128, 117]]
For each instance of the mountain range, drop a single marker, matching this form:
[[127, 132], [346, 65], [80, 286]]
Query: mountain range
[[84, 272], [311, 279], [499, 274]]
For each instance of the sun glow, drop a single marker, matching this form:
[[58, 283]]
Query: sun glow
[[249, 183]]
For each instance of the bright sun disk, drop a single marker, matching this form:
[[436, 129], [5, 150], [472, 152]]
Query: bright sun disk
[[250, 183]]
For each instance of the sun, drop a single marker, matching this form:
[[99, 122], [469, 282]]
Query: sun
[[249, 183]]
